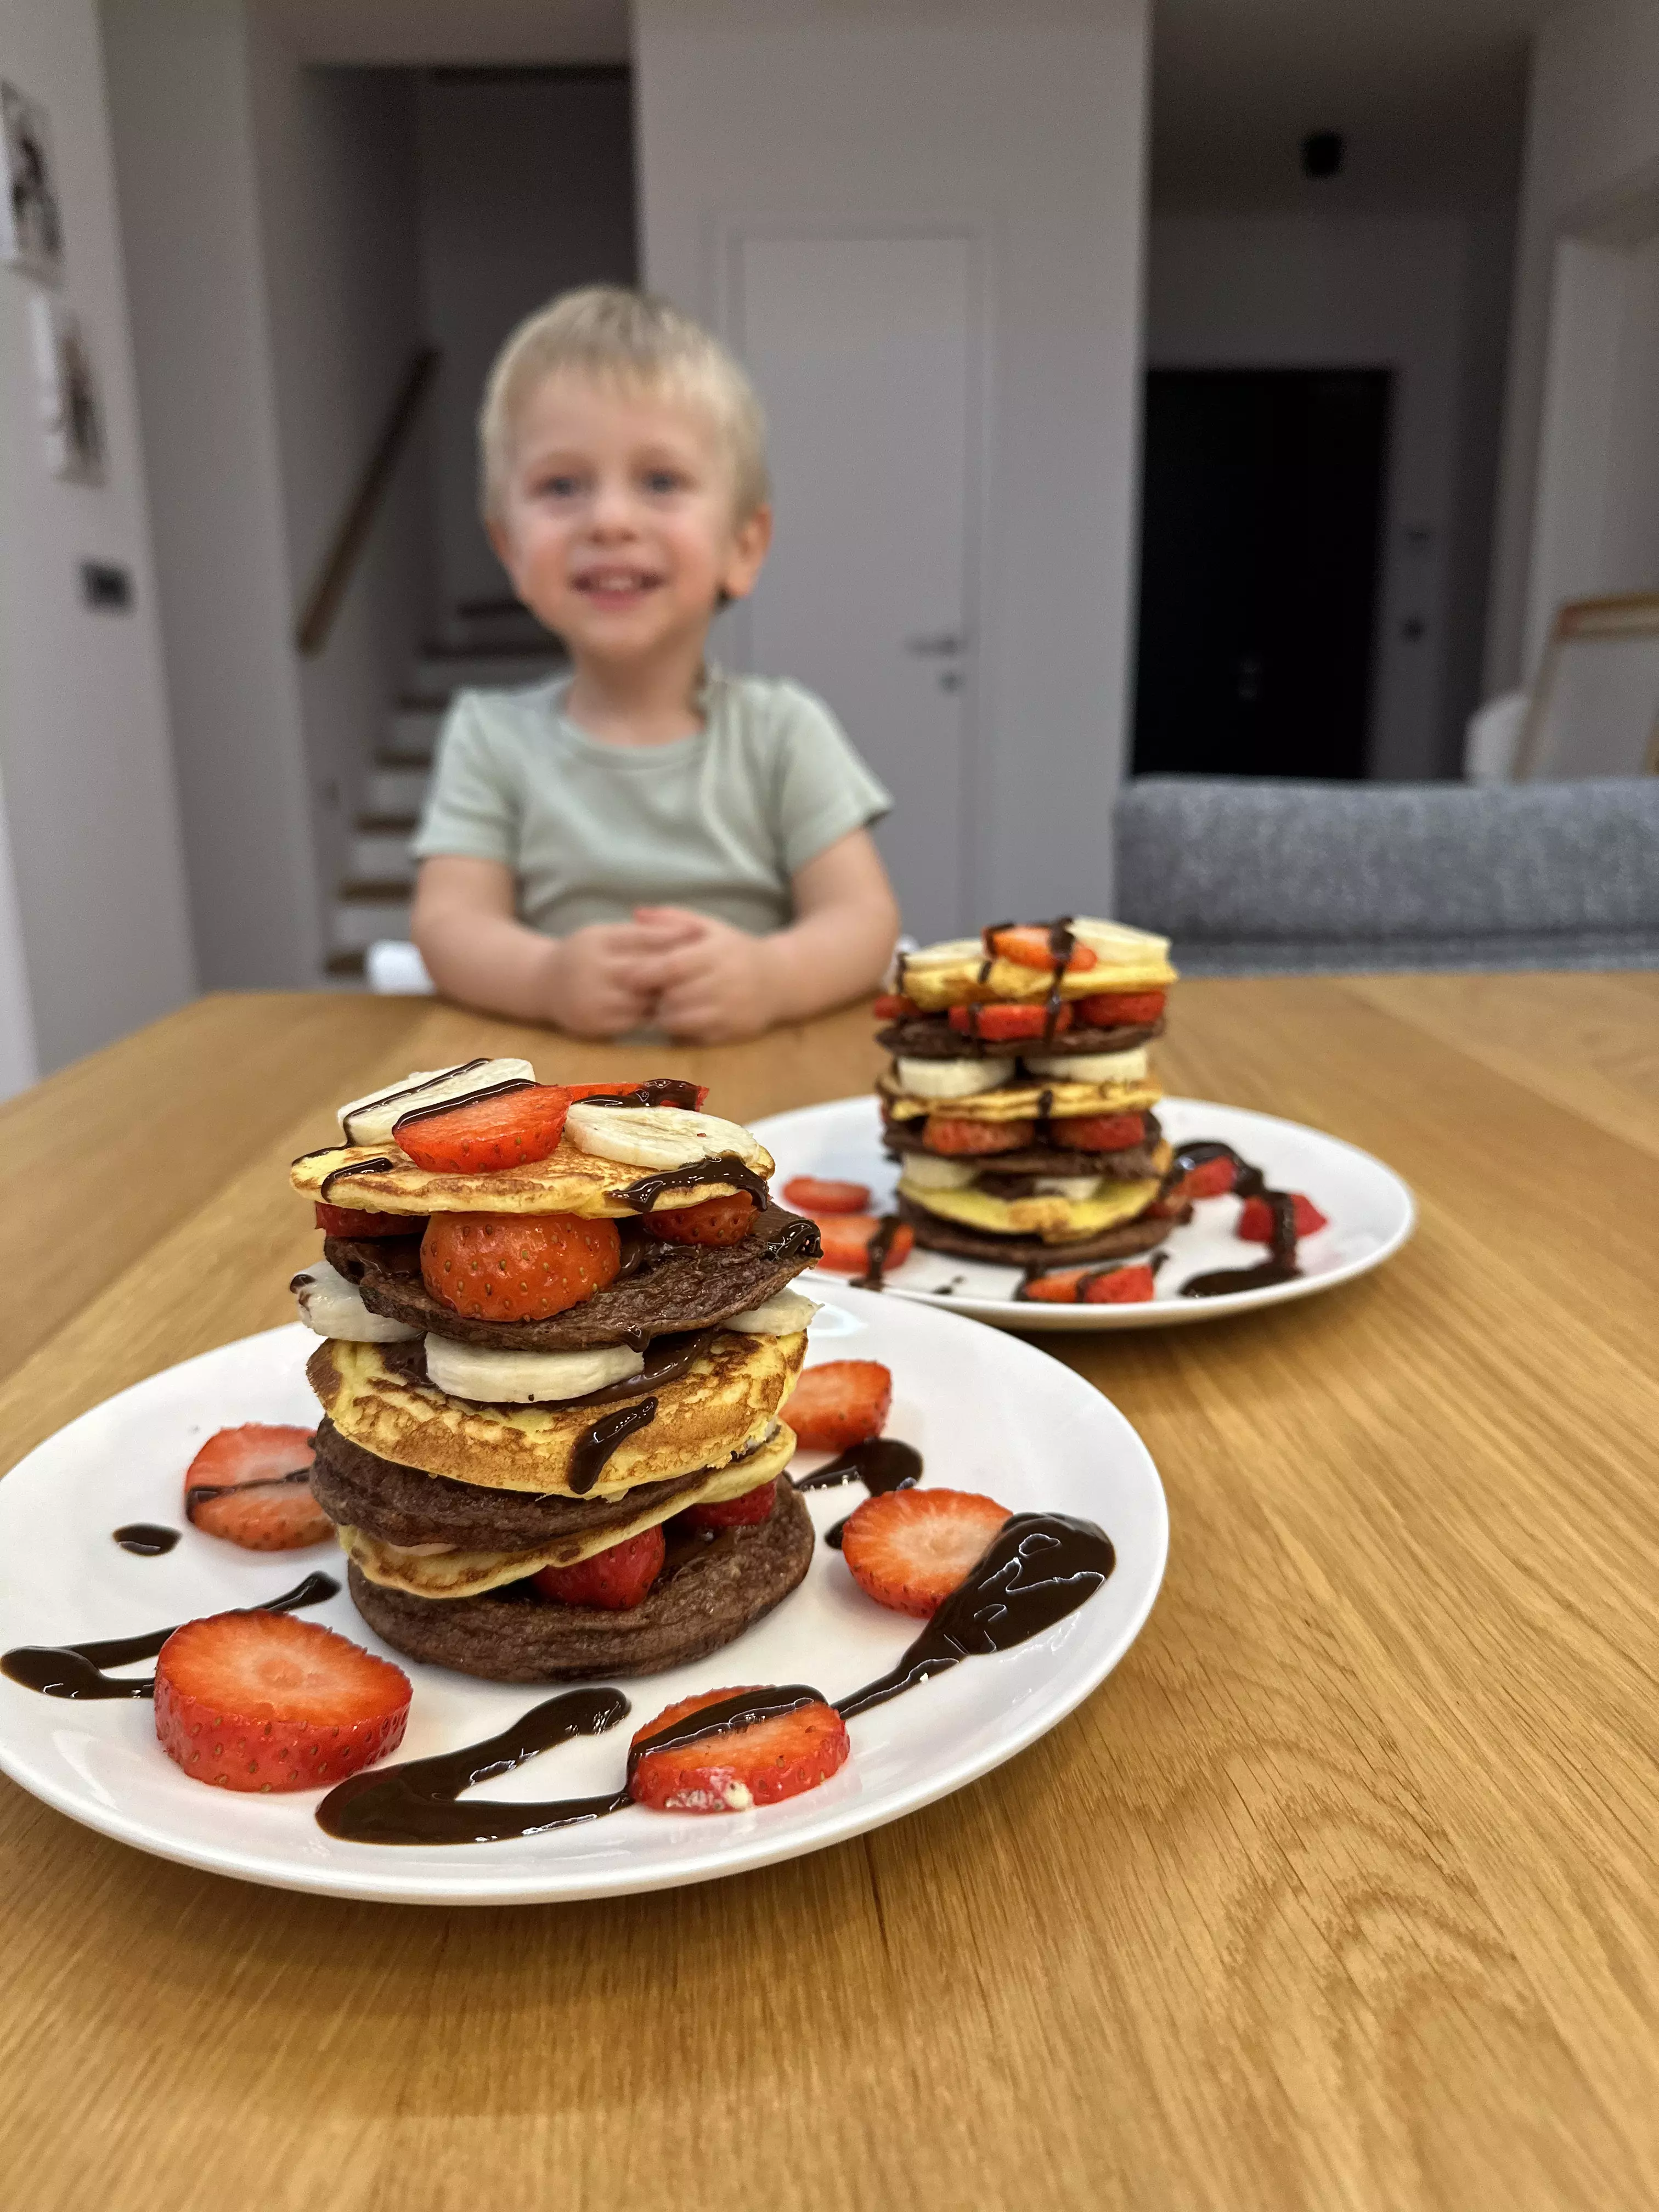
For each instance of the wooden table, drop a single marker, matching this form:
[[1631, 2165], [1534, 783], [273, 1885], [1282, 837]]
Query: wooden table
[[1339, 1891]]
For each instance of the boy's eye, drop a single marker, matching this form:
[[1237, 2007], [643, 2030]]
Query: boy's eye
[[561, 486], [660, 481]]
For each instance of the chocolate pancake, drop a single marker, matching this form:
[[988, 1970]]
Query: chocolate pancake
[[402, 1505], [1130, 1164], [668, 1287], [1138, 1164], [922, 1037], [712, 1587], [1025, 1251]]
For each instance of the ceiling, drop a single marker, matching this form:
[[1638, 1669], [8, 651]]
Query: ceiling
[[1430, 95]]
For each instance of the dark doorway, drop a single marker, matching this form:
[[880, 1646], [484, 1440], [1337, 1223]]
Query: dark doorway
[[1261, 532]]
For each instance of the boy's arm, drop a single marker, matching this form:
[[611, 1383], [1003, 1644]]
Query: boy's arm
[[594, 982]]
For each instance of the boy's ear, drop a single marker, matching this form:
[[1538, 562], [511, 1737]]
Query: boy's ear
[[749, 544], [501, 545]]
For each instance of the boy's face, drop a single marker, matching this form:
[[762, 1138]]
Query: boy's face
[[617, 526]]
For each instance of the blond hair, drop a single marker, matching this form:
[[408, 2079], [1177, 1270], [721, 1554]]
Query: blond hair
[[634, 341]]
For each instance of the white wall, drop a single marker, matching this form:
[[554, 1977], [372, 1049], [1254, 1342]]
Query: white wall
[[96, 890], [1407, 293], [1029, 126], [1575, 471], [526, 188]]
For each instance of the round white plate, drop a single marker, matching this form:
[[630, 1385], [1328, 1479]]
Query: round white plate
[[1371, 1214], [987, 1411]]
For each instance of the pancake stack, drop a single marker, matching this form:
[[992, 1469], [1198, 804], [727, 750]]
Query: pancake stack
[[1018, 1103], [465, 1460]]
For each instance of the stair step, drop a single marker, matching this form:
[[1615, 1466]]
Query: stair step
[[361, 916], [372, 890], [374, 859], [346, 963], [436, 674], [414, 732], [388, 821]]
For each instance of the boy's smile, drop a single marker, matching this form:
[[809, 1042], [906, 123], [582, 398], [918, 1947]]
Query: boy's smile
[[618, 526]]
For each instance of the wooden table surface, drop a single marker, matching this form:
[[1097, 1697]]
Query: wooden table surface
[[1339, 1891]]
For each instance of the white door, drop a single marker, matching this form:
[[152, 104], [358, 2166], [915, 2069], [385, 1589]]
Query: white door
[[863, 351]]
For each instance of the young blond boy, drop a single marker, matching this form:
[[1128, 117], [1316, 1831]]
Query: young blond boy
[[647, 841]]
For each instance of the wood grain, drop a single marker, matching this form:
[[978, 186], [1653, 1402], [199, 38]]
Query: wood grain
[[1339, 1892]]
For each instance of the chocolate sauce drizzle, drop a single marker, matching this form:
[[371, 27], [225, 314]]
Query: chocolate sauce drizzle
[[200, 1492], [878, 1252], [656, 1090], [881, 1465], [380, 1166], [504, 1088], [411, 1090], [720, 1167], [1249, 1181], [145, 1540], [1040, 1567], [594, 1447], [77, 1670]]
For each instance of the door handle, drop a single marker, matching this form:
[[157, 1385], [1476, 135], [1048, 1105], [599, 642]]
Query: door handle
[[945, 644]]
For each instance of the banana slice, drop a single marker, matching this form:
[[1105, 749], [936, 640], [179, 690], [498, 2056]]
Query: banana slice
[[661, 1137], [927, 1172], [371, 1119], [334, 1307], [1092, 1067], [780, 1316], [524, 1378], [952, 1079], [1080, 1188]]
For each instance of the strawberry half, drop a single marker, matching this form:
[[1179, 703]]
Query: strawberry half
[[715, 1221], [1209, 1179], [1100, 1133], [846, 1239], [1255, 1220], [1028, 946], [517, 1267], [959, 1139], [814, 1194], [1095, 1286], [488, 1134], [614, 1580], [760, 1763], [575, 1090], [1007, 1024], [252, 1485], [909, 1549], [263, 1701], [754, 1506], [844, 1401], [894, 1006], [357, 1221], [1108, 1010]]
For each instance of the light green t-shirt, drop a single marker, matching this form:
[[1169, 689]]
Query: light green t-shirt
[[718, 822]]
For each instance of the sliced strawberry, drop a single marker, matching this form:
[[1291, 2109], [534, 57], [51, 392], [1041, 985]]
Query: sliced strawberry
[[1029, 947], [844, 1401], [1007, 1025], [252, 1485], [1100, 1133], [263, 1701], [353, 1221], [613, 1580], [814, 1194], [574, 1090], [1209, 1179], [909, 1549], [959, 1139], [1057, 1288], [894, 1006], [517, 1267], [846, 1240], [760, 1763], [1120, 1286], [488, 1134], [1109, 1010], [715, 1221], [754, 1505], [1255, 1220]]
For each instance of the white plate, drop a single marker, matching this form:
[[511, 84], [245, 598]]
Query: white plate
[[1370, 1210], [988, 1412]]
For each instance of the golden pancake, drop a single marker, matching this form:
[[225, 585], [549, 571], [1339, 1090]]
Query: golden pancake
[[949, 974], [568, 1181], [469, 1574], [1022, 1102], [723, 1403], [1056, 1218]]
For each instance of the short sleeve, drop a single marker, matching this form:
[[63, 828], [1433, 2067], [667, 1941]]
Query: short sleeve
[[471, 809], [822, 790]]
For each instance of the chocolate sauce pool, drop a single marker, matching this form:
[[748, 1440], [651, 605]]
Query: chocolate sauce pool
[[1040, 1567], [145, 1540], [1249, 1181], [883, 1464], [77, 1670]]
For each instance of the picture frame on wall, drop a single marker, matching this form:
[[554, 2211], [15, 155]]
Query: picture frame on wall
[[31, 219], [1596, 708], [66, 386]]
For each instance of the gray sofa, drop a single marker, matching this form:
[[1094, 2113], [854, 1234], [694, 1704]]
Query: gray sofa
[[1250, 876]]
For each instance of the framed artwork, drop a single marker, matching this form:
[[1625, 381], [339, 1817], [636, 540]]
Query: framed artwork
[[31, 224], [1596, 710], [71, 418]]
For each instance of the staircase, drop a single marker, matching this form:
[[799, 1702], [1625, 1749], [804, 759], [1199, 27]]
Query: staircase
[[373, 901]]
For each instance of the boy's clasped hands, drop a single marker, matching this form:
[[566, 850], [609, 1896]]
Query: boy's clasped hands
[[685, 973]]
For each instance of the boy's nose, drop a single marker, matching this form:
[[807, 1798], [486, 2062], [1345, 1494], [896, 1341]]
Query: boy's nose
[[613, 512]]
